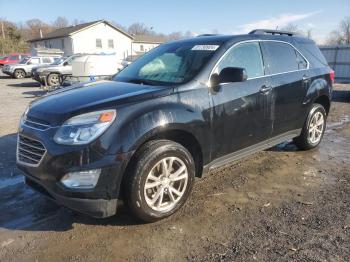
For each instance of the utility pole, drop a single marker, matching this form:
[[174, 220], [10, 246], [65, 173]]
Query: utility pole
[[3, 35]]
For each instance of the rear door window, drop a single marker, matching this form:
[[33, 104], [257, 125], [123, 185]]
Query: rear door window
[[34, 61], [46, 60], [281, 57], [245, 55]]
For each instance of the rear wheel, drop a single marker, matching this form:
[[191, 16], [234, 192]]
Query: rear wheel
[[161, 180], [19, 74], [313, 130], [53, 79]]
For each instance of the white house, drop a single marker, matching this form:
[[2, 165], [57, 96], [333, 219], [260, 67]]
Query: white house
[[89, 38], [144, 43]]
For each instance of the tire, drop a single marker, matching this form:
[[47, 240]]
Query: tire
[[19, 74], [149, 171], [311, 136], [53, 79]]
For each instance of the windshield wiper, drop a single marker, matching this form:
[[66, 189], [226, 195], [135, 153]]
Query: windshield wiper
[[141, 81]]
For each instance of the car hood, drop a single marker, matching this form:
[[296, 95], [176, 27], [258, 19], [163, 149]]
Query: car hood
[[58, 106]]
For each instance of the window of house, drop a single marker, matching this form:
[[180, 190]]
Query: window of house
[[110, 43], [141, 48], [62, 43], [98, 43], [247, 56], [281, 57]]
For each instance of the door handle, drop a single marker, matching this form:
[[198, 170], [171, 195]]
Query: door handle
[[306, 78], [265, 89]]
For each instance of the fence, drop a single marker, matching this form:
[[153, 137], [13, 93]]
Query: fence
[[338, 58]]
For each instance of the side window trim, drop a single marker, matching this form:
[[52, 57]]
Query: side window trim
[[262, 53]]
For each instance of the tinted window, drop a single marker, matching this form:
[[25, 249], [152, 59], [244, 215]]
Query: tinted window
[[281, 57], [313, 54], [247, 55]]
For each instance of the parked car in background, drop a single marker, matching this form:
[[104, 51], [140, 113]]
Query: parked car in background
[[53, 73], [178, 112], [24, 67], [13, 58]]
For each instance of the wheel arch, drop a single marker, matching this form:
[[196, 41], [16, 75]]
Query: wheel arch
[[324, 101]]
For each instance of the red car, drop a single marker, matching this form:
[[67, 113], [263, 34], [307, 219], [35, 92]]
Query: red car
[[12, 59]]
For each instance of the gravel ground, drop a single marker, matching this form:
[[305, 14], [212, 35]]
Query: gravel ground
[[280, 204]]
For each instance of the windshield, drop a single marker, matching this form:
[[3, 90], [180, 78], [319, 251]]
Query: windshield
[[24, 60], [58, 61], [169, 64]]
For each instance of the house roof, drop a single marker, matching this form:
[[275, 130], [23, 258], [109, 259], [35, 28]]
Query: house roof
[[67, 31], [152, 39]]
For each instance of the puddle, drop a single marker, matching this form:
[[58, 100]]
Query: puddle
[[343, 120], [11, 181]]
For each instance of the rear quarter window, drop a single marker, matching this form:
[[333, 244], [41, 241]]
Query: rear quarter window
[[313, 54]]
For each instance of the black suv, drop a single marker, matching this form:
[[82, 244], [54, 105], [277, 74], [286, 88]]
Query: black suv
[[179, 111]]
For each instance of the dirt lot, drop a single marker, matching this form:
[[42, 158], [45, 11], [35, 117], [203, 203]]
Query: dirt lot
[[280, 204]]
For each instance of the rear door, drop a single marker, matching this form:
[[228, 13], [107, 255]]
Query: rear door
[[241, 111], [290, 81]]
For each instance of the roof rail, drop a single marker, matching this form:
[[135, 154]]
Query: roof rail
[[207, 35], [272, 32]]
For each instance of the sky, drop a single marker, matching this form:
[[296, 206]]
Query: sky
[[223, 16]]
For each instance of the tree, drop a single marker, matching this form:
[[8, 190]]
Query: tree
[[340, 36], [344, 29], [60, 22], [292, 28], [34, 26], [139, 29]]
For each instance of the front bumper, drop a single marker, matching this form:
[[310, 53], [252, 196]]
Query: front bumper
[[7, 72], [100, 201], [38, 77], [93, 207]]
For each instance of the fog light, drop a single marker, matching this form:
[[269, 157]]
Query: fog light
[[81, 179]]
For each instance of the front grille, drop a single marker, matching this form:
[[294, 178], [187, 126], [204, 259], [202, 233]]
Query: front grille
[[36, 124], [29, 151]]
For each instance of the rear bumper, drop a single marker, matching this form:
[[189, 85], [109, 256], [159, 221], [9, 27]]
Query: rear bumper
[[98, 208]]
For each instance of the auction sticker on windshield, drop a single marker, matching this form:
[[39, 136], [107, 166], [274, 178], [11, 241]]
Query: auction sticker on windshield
[[205, 47]]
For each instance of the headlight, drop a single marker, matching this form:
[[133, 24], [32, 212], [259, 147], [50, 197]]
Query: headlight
[[85, 128]]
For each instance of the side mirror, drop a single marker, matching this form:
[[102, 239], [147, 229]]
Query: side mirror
[[229, 75], [65, 63]]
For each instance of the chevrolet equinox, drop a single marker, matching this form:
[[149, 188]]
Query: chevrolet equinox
[[181, 110]]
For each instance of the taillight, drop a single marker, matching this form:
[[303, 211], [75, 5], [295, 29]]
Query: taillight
[[332, 75]]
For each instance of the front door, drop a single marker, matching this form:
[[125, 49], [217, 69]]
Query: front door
[[241, 111]]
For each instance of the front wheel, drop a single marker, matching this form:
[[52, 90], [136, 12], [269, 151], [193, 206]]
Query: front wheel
[[313, 129], [19, 74], [161, 180], [53, 79]]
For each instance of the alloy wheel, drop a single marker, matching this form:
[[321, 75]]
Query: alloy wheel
[[316, 127], [166, 184]]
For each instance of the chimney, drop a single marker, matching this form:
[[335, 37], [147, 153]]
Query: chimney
[[41, 33]]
